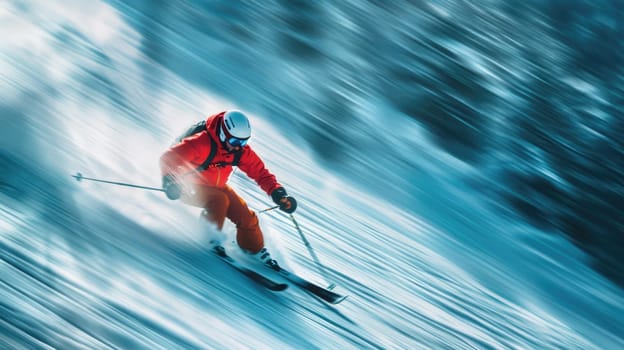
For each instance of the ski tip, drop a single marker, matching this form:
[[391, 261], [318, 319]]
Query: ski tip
[[331, 286], [339, 300], [279, 287]]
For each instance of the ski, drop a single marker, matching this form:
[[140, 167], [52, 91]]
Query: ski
[[253, 275], [320, 292]]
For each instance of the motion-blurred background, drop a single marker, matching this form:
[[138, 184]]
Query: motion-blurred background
[[496, 123]]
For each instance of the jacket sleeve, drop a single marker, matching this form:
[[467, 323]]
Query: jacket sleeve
[[183, 157], [251, 164]]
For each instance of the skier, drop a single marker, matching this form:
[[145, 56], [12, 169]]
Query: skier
[[197, 167]]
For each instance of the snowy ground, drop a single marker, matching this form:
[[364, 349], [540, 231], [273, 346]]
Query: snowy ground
[[93, 266]]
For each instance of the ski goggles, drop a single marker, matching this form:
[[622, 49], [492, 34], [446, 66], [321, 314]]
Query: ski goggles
[[233, 141], [236, 142]]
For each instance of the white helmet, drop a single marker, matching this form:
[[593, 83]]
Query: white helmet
[[235, 125]]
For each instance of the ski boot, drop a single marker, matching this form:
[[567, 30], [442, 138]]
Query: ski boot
[[265, 258]]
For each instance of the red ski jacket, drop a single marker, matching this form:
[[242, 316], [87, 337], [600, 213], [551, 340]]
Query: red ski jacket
[[183, 159]]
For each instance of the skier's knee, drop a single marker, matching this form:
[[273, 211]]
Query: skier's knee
[[250, 241]]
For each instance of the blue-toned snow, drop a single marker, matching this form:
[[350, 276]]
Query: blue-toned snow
[[94, 266]]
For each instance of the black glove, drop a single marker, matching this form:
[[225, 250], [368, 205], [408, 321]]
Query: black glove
[[172, 187], [286, 202]]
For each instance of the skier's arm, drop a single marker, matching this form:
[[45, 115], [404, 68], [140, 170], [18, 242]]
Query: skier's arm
[[254, 167], [182, 157], [251, 164]]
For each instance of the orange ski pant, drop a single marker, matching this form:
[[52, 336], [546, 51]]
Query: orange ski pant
[[220, 203]]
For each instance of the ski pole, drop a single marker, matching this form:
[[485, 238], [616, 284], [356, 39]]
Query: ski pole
[[79, 177], [312, 253], [268, 209]]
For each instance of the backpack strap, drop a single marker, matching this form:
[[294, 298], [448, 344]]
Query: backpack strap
[[206, 164], [237, 157], [213, 151]]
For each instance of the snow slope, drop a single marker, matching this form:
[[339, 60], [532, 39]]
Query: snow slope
[[93, 266]]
